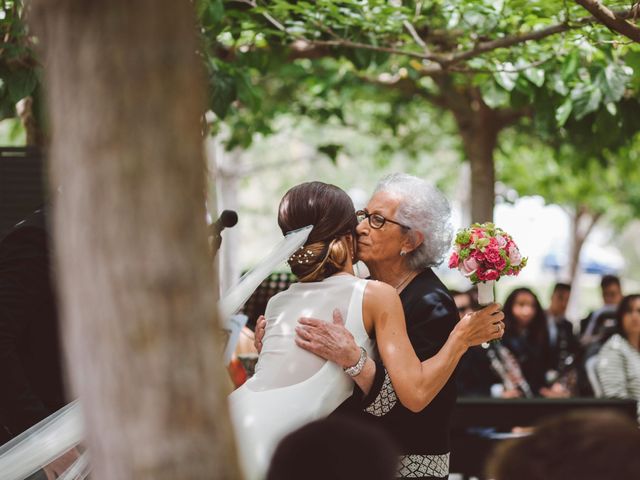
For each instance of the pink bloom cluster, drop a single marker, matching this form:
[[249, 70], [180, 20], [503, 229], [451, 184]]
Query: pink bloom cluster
[[484, 252]]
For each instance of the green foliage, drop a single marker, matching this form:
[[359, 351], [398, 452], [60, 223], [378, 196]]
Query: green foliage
[[608, 184], [319, 59], [19, 70], [392, 71]]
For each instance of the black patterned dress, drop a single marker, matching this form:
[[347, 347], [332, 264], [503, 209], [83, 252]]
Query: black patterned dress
[[423, 437]]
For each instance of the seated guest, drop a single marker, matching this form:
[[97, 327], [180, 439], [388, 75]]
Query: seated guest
[[596, 445], [488, 370], [595, 325], [526, 336], [563, 344], [336, 448], [618, 364]]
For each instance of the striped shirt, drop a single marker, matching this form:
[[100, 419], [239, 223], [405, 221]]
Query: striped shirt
[[618, 369]]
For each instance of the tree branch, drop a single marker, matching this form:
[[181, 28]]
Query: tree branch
[[375, 48], [445, 60], [609, 18]]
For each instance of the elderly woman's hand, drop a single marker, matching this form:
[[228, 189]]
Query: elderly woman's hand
[[481, 326], [329, 340]]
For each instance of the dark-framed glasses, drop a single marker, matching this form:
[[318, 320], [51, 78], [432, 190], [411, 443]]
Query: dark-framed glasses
[[376, 220]]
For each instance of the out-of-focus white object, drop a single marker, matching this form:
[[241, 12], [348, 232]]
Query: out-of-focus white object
[[42, 443], [238, 295]]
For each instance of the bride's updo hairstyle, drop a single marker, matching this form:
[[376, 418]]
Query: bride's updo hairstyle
[[332, 214]]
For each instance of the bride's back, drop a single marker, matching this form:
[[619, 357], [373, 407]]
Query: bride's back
[[282, 362]]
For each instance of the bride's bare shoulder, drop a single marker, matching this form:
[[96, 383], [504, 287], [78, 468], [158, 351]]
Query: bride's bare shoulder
[[379, 292]]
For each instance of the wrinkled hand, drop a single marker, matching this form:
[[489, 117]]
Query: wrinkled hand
[[61, 464], [258, 335], [329, 340], [481, 326]]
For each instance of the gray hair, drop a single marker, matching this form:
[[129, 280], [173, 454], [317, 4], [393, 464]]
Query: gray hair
[[425, 209]]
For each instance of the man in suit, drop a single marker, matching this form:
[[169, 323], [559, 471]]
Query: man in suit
[[562, 340], [592, 327], [31, 379]]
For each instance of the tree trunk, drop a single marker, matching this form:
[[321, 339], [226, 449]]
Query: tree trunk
[[479, 126], [581, 226], [28, 110], [479, 130], [135, 279]]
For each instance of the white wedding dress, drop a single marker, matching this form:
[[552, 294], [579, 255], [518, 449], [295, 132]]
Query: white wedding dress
[[292, 387]]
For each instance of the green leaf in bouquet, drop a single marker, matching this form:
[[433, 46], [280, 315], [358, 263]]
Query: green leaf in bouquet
[[463, 237], [482, 243]]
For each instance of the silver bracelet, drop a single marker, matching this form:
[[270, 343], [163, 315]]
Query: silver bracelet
[[355, 370]]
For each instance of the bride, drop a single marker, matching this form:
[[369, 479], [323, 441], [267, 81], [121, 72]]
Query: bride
[[292, 387]]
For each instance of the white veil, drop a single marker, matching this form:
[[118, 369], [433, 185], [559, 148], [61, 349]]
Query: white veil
[[55, 435]]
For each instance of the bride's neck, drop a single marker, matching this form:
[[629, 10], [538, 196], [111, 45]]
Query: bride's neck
[[346, 270]]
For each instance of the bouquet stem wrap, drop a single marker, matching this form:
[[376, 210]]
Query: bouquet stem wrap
[[486, 293]]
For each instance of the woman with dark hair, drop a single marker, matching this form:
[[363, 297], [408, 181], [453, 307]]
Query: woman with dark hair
[[526, 336], [291, 386], [618, 363]]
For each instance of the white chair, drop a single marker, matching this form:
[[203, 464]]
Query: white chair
[[592, 375]]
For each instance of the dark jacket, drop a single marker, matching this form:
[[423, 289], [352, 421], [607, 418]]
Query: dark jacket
[[31, 386]]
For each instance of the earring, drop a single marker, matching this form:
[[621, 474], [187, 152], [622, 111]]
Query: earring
[[403, 253]]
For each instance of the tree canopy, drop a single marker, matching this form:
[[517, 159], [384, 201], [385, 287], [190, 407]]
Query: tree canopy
[[543, 67]]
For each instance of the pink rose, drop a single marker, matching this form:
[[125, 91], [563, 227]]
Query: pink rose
[[514, 256], [501, 241], [469, 266], [454, 260]]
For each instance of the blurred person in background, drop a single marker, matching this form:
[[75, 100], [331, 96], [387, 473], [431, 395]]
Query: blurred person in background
[[596, 445], [595, 325], [488, 370], [527, 337], [618, 362], [464, 301], [563, 344], [335, 448]]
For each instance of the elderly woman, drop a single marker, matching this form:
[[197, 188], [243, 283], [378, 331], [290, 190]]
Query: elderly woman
[[618, 363], [402, 233]]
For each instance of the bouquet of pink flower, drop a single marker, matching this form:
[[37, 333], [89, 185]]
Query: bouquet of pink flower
[[484, 253]]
